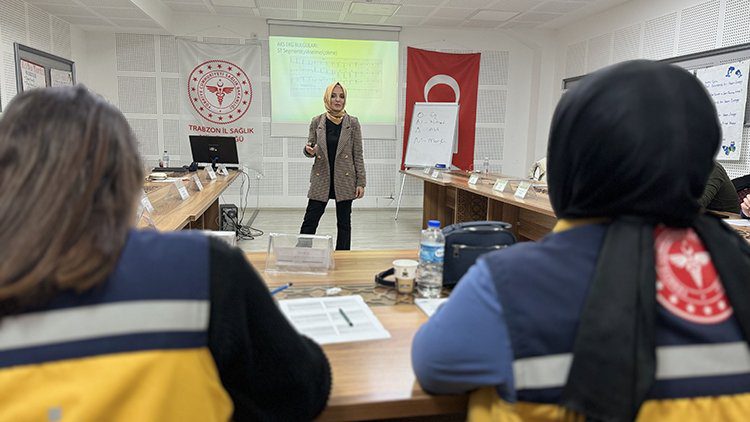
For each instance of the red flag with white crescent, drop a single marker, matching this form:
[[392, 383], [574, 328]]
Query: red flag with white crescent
[[444, 77]]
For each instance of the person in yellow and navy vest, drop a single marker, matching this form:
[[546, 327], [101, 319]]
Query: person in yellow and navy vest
[[637, 306], [100, 322]]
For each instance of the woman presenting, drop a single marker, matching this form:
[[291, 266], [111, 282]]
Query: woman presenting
[[338, 173]]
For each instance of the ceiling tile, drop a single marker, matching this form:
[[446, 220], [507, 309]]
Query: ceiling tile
[[327, 5], [444, 22], [359, 18], [414, 10], [520, 25], [515, 5], [422, 2], [233, 11], [67, 10], [190, 8], [61, 2], [84, 20], [107, 3], [537, 17], [452, 12], [136, 23], [478, 23], [494, 15], [475, 4], [404, 20], [318, 15], [559, 6], [112, 12], [277, 4], [278, 13], [233, 3]]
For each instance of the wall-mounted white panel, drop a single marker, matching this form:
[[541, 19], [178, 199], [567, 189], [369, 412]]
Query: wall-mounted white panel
[[627, 43], [136, 52], [598, 52], [659, 37], [147, 133], [168, 54], [698, 27], [170, 95], [39, 29], [575, 59], [137, 94], [736, 23]]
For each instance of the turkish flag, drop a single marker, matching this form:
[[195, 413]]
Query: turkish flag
[[444, 77]]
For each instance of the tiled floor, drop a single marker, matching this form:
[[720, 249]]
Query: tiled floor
[[371, 228]]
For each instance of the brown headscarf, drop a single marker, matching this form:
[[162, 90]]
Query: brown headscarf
[[334, 116]]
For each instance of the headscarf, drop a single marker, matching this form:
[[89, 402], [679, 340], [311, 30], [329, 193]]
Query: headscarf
[[334, 116], [635, 143]]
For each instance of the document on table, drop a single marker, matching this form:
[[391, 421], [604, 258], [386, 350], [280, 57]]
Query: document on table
[[739, 222], [331, 320], [429, 306]]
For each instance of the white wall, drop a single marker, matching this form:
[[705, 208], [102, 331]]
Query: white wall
[[511, 81], [654, 30], [26, 24]]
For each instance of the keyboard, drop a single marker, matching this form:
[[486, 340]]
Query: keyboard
[[170, 169]]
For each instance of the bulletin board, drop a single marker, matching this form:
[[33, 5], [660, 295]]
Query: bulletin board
[[39, 69]]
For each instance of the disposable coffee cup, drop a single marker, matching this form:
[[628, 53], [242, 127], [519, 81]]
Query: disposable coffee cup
[[405, 271]]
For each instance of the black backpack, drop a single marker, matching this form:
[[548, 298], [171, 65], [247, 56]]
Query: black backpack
[[465, 242]]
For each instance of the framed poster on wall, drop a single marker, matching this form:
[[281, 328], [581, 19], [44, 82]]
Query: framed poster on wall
[[60, 78], [39, 69], [32, 76]]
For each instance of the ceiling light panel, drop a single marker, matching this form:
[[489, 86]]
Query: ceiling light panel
[[493, 15]]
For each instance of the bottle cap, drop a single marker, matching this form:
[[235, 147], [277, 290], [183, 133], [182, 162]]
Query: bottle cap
[[433, 223]]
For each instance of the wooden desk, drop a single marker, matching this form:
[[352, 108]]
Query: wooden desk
[[200, 211], [452, 199], [373, 379]]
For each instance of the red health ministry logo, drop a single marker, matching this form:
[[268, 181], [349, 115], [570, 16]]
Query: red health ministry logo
[[220, 91], [687, 284]]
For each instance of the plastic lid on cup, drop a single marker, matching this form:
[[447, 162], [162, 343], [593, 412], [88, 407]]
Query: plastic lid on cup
[[433, 223]]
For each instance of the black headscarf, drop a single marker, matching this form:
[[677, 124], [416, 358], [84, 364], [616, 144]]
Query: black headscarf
[[635, 142]]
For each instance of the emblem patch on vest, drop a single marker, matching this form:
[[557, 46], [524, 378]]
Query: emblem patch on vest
[[687, 284]]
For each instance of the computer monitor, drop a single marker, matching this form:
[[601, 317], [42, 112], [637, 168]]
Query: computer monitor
[[214, 150]]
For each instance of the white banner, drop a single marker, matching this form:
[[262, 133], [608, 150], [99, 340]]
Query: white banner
[[220, 95], [727, 85]]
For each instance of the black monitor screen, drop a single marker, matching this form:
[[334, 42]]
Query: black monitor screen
[[214, 149]]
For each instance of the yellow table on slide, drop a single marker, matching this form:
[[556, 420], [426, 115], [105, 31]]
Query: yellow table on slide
[[373, 379], [199, 211], [451, 199]]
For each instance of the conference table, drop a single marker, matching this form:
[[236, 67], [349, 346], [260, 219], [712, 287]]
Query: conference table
[[199, 211], [451, 199], [372, 379]]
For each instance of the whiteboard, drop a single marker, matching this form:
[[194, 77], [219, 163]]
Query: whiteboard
[[727, 85], [432, 134]]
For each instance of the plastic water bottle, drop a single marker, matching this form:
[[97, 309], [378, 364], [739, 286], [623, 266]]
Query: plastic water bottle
[[431, 250], [165, 159], [486, 165]]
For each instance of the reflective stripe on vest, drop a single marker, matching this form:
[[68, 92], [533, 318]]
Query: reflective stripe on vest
[[672, 362], [105, 320]]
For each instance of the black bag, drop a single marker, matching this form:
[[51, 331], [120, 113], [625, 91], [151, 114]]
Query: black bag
[[465, 242]]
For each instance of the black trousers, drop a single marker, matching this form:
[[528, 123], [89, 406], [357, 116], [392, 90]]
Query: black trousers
[[315, 210]]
